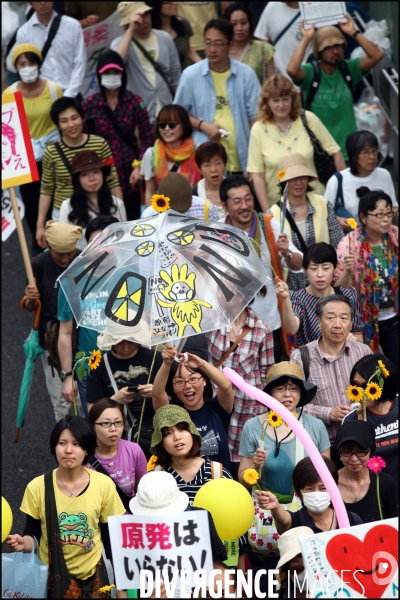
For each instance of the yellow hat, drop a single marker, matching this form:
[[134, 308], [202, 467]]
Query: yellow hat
[[62, 237], [21, 48]]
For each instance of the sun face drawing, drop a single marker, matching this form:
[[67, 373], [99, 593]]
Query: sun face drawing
[[181, 238], [145, 248], [142, 231]]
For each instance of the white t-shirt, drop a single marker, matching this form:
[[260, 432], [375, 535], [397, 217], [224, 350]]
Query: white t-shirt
[[65, 209], [201, 192], [379, 179], [274, 18]]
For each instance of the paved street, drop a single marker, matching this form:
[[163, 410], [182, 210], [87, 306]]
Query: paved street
[[31, 456]]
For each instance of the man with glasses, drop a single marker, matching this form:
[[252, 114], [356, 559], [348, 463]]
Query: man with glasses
[[275, 250], [153, 67], [333, 78], [331, 359], [221, 95]]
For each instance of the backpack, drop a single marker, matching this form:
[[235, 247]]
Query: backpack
[[344, 71]]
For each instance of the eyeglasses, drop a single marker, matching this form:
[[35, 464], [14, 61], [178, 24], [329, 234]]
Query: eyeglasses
[[292, 389], [359, 453], [215, 44], [382, 215], [371, 152], [238, 201], [181, 382], [284, 100], [107, 425], [171, 124]]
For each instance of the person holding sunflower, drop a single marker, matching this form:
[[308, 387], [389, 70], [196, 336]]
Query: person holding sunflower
[[269, 446], [369, 494], [368, 260], [382, 412], [172, 152]]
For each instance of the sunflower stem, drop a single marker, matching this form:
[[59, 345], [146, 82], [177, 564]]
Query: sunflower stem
[[379, 499], [364, 404]]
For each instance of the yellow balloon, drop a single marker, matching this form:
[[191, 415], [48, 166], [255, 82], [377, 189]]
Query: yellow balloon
[[6, 519], [229, 503]]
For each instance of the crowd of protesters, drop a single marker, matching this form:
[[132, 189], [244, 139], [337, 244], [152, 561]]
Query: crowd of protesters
[[220, 114]]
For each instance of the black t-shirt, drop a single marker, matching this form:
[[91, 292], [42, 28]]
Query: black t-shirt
[[46, 273], [367, 507], [126, 371], [302, 518], [386, 436]]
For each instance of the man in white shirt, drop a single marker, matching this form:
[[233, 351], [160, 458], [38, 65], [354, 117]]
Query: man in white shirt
[[155, 88], [66, 59], [279, 25]]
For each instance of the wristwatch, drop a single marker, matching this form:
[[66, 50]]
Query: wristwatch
[[355, 34], [289, 256], [64, 375]]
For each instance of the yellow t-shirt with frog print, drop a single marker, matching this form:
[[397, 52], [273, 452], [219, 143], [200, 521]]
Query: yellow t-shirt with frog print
[[79, 520], [223, 116]]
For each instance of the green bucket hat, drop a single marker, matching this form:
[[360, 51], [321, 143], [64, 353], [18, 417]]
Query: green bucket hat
[[169, 416]]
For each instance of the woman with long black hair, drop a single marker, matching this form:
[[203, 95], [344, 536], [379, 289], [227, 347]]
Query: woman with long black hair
[[92, 196]]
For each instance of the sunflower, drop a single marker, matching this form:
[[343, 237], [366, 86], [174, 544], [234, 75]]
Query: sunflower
[[94, 359], [373, 391], [160, 203], [152, 463], [274, 419], [384, 370], [281, 174], [250, 476], [352, 223], [354, 393]]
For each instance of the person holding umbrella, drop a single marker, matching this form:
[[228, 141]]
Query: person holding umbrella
[[47, 267]]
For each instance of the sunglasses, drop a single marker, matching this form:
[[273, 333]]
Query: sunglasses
[[171, 124]]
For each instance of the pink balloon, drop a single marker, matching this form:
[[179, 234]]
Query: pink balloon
[[304, 437]]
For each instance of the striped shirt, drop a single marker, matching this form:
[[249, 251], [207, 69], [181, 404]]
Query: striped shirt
[[251, 359], [55, 180], [332, 376], [304, 304], [203, 475]]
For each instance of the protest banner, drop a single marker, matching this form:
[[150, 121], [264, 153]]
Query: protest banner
[[354, 562], [8, 224], [321, 14], [172, 543], [97, 39]]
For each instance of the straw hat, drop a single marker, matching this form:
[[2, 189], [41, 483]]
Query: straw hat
[[294, 372], [128, 9], [327, 36], [158, 494], [114, 333], [288, 544], [295, 165], [169, 416]]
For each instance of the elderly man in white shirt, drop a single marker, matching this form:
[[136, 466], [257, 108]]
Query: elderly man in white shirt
[[66, 59]]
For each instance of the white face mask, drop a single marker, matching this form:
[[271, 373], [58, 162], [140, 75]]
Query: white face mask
[[29, 74], [300, 577], [111, 82], [317, 502]]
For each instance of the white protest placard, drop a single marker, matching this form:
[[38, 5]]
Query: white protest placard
[[97, 39], [322, 13], [169, 542], [8, 224], [355, 562]]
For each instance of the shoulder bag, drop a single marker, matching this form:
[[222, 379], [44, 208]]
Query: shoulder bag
[[52, 34], [155, 65], [324, 164], [340, 210], [284, 30], [294, 228], [96, 464]]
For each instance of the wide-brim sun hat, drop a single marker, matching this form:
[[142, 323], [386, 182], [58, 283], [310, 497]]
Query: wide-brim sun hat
[[288, 544], [115, 333], [327, 36], [158, 494], [293, 372], [128, 9], [21, 49], [169, 416], [294, 165]]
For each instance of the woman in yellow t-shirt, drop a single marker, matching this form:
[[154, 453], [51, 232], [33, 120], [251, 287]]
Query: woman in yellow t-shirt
[[67, 510], [279, 130], [38, 95]]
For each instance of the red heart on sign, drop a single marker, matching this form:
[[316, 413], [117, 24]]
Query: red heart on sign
[[377, 556]]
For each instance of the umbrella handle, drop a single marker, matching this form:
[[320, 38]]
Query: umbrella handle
[[38, 311]]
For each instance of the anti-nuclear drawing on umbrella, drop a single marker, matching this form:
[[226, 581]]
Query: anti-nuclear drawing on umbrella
[[179, 275]]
